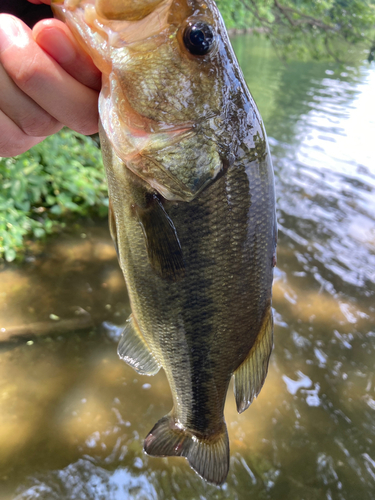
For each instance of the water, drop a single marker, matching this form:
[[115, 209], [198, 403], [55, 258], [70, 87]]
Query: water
[[72, 416]]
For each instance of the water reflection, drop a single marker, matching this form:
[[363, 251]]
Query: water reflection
[[73, 416]]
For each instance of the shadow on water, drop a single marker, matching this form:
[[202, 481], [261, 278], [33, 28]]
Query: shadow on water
[[73, 416]]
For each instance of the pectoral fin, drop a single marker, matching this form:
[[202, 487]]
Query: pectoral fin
[[112, 226], [134, 350], [163, 246], [250, 375]]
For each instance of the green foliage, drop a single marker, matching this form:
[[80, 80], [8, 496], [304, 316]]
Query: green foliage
[[315, 28], [38, 189]]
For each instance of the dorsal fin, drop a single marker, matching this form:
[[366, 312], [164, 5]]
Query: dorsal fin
[[250, 375]]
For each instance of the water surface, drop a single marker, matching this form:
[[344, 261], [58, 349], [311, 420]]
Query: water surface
[[73, 416]]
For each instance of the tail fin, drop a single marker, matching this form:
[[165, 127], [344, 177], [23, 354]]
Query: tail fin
[[208, 456]]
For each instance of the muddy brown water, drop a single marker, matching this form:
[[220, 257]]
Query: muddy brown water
[[73, 416]]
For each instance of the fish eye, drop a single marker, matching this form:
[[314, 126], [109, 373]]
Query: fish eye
[[199, 38]]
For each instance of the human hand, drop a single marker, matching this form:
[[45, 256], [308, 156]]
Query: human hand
[[46, 82]]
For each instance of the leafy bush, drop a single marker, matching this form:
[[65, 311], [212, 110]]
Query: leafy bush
[[62, 175]]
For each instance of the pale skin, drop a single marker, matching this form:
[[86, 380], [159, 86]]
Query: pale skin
[[46, 82]]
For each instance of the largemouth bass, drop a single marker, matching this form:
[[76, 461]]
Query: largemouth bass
[[192, 211]]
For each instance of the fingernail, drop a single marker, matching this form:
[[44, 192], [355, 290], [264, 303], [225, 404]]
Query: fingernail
[[57, 45], [11, 32]]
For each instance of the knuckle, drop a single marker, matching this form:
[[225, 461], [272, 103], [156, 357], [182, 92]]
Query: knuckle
[[38, 124], [26, 73]]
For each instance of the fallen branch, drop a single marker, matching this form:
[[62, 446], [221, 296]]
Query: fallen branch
[[44, 329]]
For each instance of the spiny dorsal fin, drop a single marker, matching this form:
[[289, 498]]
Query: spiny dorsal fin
[[208, 456], [133, 349], [162, 243], [249, 377]]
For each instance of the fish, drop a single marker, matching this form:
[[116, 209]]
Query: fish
[[191, 211]]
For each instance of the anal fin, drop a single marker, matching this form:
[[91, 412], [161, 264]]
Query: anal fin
[[208, 456], [133, 349], [250, 375]]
